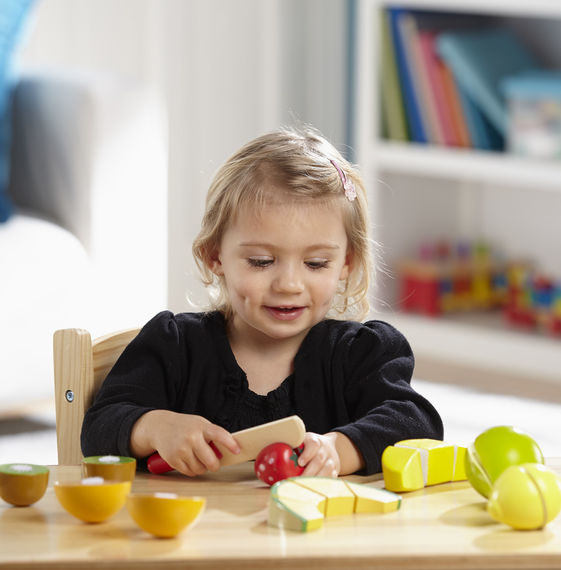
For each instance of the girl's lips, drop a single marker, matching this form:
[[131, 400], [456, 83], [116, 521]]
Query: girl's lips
[[285, 313]]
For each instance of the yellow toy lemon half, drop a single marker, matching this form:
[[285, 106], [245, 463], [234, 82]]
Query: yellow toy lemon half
[[92, 500], [164, 515], [526, 497]]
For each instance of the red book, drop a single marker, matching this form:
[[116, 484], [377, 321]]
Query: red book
[[441, 103]]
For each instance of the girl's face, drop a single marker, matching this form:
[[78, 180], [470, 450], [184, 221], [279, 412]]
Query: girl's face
[[281, 268]]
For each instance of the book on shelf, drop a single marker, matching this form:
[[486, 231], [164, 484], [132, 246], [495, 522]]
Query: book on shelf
[[437, 90], [452, 96], [482, 134], [441, 76], [480, 60], [394, 119], [415, 122], [420, 78]]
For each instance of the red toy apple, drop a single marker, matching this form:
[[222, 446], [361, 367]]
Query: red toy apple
[[278, 461]]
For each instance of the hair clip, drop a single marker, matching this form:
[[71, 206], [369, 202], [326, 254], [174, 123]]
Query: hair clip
[[348, 184]]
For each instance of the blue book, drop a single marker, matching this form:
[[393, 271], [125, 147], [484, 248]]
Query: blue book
[[482, 133], [480, 60], [412, 108]]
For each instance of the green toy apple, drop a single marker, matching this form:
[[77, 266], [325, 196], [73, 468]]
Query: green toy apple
[[493, 451]]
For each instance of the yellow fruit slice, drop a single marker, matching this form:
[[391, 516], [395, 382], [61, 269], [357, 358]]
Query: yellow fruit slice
[[338, 497], [412, 464], [373, 500], [402, 469], [302, 503]]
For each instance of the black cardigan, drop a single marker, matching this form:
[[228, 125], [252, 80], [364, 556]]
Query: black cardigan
[[348, 377]]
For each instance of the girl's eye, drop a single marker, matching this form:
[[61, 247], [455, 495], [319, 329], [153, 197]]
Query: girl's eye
[[317, 263], [259, 261]]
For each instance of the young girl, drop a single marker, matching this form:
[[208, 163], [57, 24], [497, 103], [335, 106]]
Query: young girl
[[284, 248]]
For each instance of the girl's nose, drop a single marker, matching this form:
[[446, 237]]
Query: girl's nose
[[288, 279]]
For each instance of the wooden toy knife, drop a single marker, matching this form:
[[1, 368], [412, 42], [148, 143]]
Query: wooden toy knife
[[290, 430]]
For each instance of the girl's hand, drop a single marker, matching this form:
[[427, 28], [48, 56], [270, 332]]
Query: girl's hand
[[183, 440], [320, 456]]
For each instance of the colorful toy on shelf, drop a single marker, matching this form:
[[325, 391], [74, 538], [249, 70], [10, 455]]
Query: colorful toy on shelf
[[412, 464], [22, 484], [302, 503], [526, 497], [443, 279], [493, 451], [278, 461], [533, 300]]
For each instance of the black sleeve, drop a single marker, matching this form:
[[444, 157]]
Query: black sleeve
[[147, 376], [383, 406]]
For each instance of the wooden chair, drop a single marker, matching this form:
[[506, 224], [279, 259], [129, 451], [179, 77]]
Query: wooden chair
[[80, 367]]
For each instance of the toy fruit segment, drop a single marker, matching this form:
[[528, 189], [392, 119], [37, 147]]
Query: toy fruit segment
[[294, 515], [278, 461], [373, 500], [526, 497], [493, 451], [301, 503], [23, 484], [110, 467], [93, 499], [437, 459], [402, 469], [164, 515], [288, 490], [339, 499], [412, 464], [459, 464]]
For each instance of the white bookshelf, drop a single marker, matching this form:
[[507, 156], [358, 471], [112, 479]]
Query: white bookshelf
[[422, 192]]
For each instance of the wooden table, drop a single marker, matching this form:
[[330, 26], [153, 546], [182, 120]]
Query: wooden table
[[444, 526]]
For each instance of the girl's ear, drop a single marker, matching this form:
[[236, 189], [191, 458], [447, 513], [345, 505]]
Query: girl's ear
[[213, 262], [347, 267]]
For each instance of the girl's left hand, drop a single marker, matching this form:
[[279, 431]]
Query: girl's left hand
[[320, 456]]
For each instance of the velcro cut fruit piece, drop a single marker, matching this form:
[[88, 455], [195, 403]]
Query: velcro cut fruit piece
[[437, 459], [459, 463], [340, 500], [302, 503], [412, 464], [402, 469], [291, 491], [294, 515], [372, 499]]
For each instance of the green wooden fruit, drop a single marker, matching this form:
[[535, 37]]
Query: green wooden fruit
[[493, 451]]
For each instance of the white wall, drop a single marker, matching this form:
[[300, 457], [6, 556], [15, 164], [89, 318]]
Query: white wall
[[229, 70]]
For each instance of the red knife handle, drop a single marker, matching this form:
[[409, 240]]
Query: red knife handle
[[157, 465]]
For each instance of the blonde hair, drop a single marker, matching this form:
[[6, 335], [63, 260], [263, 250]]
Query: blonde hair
[[302, 165]]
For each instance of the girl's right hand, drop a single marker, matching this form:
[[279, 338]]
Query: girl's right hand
[[182, 440]]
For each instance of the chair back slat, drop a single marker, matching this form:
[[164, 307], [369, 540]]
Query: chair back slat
[[80, 367]]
